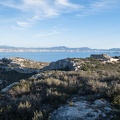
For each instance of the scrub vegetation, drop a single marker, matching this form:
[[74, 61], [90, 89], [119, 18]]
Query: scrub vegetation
[[35, 98]]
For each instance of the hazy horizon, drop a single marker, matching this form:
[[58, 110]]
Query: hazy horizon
[[57, 46]]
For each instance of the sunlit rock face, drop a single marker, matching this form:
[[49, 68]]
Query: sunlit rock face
[[64, 64]]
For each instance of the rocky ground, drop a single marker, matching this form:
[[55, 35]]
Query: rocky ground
[[68, 89], [81, 109], [14, 69], [21, 65]]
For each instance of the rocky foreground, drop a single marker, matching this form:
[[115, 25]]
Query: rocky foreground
[[68, 89], [81, 109]]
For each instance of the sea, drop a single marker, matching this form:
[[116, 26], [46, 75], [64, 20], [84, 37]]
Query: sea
[[52, 56]]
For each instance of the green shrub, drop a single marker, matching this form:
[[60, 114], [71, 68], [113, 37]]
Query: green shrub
[[38, 115], [116, 100]]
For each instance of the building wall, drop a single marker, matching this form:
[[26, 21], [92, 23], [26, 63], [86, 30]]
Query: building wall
[[100, 56]]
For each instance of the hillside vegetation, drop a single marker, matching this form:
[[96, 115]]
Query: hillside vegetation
[[14, 69], [37, 96]]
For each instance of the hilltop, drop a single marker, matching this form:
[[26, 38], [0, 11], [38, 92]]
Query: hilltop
[[71, 88]]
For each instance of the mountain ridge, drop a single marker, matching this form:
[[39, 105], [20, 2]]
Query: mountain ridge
[[59, 48]]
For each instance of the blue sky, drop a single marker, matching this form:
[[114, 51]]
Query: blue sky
[[71, 23]]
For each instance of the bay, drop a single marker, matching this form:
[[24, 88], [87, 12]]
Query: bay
[[52, 56]]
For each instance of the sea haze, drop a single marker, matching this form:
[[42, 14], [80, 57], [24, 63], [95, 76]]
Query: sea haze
[[51, 56]]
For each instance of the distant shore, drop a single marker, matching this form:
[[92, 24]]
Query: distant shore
[[55, 49]]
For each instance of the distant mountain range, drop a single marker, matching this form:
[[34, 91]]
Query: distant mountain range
[[58, 48]]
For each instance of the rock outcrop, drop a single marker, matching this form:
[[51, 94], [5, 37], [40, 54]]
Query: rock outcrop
[[84, 110], [21, 65], [8, 87], [64, 64], [75, 64]]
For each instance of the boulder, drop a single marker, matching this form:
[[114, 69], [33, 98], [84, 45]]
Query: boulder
[[64, 64]]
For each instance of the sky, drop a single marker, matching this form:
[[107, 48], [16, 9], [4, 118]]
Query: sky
[[70, 23]]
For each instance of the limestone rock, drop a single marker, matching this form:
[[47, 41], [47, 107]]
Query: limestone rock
[[64, 64], [21, 65], [100, 103], [8, 87], [82, 110]]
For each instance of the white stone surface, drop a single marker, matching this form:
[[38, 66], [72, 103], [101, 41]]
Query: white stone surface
[[9, 86], [100, 102], [82, 110]]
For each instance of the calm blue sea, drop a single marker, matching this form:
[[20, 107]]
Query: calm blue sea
[[51, 56]]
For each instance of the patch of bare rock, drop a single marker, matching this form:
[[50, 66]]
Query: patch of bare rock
[[81, 109], [21, 65], [63, 64]]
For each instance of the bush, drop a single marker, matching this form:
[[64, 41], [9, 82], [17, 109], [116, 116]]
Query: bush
[[116, 100], [38, 115]]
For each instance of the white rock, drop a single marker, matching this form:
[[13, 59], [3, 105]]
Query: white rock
[[99, 103], [80, 110], [83, 110], [9, 86], [107, 109]]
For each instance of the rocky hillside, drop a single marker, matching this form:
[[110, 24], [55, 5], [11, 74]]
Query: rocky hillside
[[76, 64], [21, 65], [14, 69], [68, 89]]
